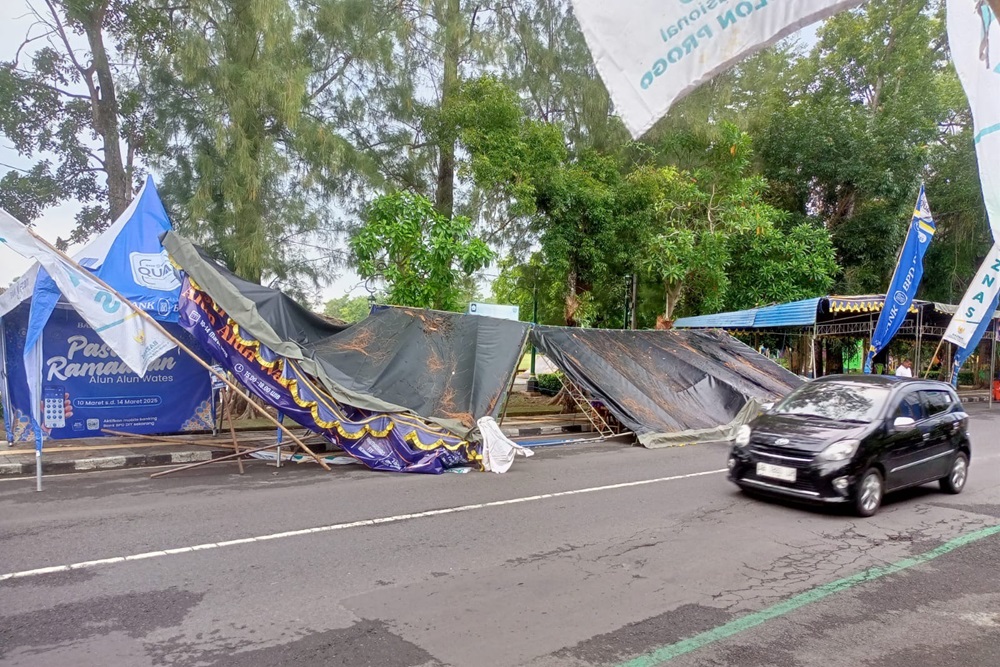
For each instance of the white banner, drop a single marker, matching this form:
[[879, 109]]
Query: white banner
[[650, 53], [137, 343], [974, 40], [977, 302]]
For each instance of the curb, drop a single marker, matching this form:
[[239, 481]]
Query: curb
[[97, 463]]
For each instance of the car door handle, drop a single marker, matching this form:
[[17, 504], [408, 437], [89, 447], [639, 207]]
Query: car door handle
[[927, 436]]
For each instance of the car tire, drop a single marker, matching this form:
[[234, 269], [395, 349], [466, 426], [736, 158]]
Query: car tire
[[957, 476], [869, 493]]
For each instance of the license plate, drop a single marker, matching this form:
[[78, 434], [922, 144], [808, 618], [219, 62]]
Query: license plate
[[784, 473]]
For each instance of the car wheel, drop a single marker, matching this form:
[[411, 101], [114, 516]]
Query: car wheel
[[955, 481], [869, 493]]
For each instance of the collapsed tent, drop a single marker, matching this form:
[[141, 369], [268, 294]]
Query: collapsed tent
[[400, 391], [51, 354], [668, 387], [428, 376]]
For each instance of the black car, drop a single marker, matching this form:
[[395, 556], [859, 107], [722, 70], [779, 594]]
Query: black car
[[851, 439]]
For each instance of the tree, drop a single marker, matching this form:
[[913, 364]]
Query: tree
[[419, 253], [852, 138], [714, 217], [80, 108], [247, 164], [347, 308]]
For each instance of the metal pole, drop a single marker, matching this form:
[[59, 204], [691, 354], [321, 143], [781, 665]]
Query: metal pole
[[39, 434], [534, 320], [993, 360], [812, 353]]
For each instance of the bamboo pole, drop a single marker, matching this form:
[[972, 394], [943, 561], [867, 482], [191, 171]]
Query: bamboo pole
[[227, 457], [232, 431], [933, 357], [181, 346]]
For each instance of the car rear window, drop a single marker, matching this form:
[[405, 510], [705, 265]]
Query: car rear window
[[836, 401]]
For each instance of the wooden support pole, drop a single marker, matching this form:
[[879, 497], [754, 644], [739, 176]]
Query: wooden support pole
[[933, 357], [181, 346], [227, 402], [228, 457]]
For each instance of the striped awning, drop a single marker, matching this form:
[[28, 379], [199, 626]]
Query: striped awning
[[871, 303]]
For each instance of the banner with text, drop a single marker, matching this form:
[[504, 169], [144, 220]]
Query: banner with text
[[93, 389], [977, 302], [974, 41], [650, 53], [905, 280]]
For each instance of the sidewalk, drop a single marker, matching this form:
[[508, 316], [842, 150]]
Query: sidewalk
[[91, 454]]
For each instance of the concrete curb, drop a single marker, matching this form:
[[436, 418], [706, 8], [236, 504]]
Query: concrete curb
[[133, 460]]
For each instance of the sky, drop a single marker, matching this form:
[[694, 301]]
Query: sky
[[15, 21]]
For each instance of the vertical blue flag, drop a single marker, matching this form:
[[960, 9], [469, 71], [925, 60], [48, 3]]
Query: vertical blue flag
[[964, 353], [905, 280]]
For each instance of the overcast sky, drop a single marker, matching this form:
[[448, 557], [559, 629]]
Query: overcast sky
[[15, 21]]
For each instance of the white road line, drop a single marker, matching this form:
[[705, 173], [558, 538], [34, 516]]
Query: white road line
[[343, 526]]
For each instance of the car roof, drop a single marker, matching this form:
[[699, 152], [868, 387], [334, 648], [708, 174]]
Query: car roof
[[887, 381]]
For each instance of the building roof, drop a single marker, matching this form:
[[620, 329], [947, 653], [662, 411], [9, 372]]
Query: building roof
[[802, 313]]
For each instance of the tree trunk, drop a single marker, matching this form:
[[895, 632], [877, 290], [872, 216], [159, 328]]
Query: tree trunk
[[572, 303], [673, 295], [445, 196], [104, 105]]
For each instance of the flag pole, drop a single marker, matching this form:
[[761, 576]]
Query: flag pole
[[184, 348], [993, 360]]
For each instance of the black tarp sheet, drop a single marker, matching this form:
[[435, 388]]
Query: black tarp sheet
[[436, 364], [665, 382], [449, 368], [289, 320]]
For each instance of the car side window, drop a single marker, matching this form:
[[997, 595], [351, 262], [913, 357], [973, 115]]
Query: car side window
[[936, 401], [912, 407]]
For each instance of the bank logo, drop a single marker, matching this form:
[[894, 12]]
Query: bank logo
[[899, 297], [153, 270]]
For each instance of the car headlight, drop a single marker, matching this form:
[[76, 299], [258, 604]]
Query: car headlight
[[742, 438], [839, 451]]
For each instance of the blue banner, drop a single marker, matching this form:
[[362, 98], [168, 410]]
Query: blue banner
[[963, 353], [905, 280], [85, 387], [382, 441]]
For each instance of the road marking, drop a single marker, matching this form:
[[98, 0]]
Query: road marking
[[352, 524], [744, 623]]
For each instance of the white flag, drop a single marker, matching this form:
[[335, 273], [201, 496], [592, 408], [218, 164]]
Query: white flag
[[651, 53], [136, 343], [974, 41], [977, 302]]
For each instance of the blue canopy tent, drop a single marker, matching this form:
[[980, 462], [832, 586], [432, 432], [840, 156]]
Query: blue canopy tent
[[51, 355]]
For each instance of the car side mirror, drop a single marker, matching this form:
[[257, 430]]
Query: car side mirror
[[766, 407], [903, 423]]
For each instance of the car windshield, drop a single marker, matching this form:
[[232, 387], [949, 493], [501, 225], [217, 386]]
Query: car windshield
[[835, 401]]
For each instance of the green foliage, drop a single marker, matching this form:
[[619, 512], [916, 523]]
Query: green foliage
[[714, 235], [851, 141], [81, 111], [417, 252], [782, 263], [348, 308], [550, 383], [520, 284]]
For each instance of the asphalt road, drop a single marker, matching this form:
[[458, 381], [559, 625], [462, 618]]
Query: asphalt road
[[591, 555]]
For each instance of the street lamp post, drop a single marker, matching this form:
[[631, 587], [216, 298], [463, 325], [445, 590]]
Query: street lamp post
[[533, 379]]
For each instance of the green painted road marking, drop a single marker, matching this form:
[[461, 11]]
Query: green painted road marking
[[744, 623]]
